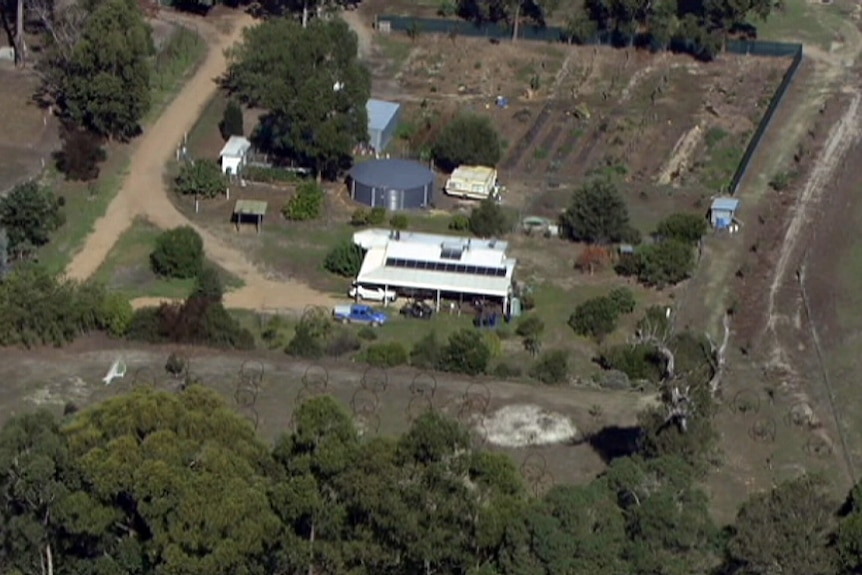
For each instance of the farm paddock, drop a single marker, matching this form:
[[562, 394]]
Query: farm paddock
[[667, 124]]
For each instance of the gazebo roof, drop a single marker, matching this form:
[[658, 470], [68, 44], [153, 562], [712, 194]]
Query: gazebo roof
[[250, 208]]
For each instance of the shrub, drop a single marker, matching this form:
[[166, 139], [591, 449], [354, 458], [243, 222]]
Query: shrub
[[468, 139], [492, 341], [367, 333], [386, 354], [665, 263], [655, 322], [342, 342], [377, 216], [459, 223], [638, 362], [597, 214], [179, 253], [273, 333], [489, 220], [208, 285], [231, 121], [80, 155], [688, 228], [344, 260], [530, 326], [176, 364], [399, 222], [196, 321], [592, 259], [360, 217], [306, 204], [426, 353], [466, 352], [595, 317], [551, 368], [203, 178], [311, 335], [623, 299], [30, 213], [628, 265], [116, 314], [506, 370]]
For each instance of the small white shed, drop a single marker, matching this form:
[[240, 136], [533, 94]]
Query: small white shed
[[233, 154]]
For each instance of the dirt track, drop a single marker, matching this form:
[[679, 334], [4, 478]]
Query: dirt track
[[144, 193]]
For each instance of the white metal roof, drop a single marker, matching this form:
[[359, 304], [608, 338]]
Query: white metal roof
[[381, 245], [235, 147], [378, 237], [375, 272]]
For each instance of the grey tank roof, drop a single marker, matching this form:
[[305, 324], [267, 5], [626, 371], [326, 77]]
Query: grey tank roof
[[392, 173]]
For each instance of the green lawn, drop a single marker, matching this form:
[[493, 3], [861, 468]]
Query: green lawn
[[127, 267], [86, 203]]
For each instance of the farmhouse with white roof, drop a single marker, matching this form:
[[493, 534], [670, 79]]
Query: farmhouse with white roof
[[442, 266]]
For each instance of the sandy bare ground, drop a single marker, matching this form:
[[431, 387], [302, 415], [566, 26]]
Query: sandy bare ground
[[144, 192]]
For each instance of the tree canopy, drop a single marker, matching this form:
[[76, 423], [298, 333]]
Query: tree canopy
[[597, 214], [311, 85], [467, 140], [103, 84], [29, 214]]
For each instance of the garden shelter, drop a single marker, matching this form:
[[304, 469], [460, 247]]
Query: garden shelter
[[250, 210]]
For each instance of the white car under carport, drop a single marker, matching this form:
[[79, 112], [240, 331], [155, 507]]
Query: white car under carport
[[372, 293]]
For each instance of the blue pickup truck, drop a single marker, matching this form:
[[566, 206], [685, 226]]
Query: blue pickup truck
[[359, 314]]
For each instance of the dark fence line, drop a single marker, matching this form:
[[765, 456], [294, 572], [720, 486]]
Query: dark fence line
[[556, 34], [777, 97]]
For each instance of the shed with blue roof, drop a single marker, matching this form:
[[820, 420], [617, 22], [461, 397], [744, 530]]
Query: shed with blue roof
[[383, 118], [722, 211]]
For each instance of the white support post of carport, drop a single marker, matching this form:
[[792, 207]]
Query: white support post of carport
[[385, 295], [438, 301]]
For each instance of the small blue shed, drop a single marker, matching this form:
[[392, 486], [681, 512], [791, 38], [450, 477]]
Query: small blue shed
[[722, 212], [383, 118]]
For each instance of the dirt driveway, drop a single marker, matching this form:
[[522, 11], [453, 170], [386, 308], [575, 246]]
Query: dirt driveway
[[144, 192]]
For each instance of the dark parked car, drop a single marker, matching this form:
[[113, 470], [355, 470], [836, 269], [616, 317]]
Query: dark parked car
[[418, 310]]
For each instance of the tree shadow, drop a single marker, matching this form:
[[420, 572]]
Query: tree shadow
[[613, 442]]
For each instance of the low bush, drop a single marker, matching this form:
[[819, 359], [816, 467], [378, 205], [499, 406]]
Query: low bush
[[399, 222], [623, 299], [687, 228], [367, 333], [202, 178], [360, 217], [344, 260], [179, 253], [638, 362], [459, 223], [596, 317], [273, 334], [489, 220], [529, 326], [465, 352], [306, 204], [342, 342], [506, 370], [385, 354], [37, 308], [377, 216], [552, 368], [311, 336], [426, 353]]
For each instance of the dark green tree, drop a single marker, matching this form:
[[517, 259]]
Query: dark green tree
[[29, 214], [202, 178], [179, 253], [426, 352], [665, 263], [489, 220], [311, 84], [345, 259], [596, 317], [467, 140], [35, 479], [597, 214], [466, 352], [81, 154], [510, 12], [788, 529], [208, 285], [232, 121], [105, 83], [684, 227], [175, 481]]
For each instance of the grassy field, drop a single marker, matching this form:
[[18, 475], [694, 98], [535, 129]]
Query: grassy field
[[86, 203], [127, 267], [807, 22]]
